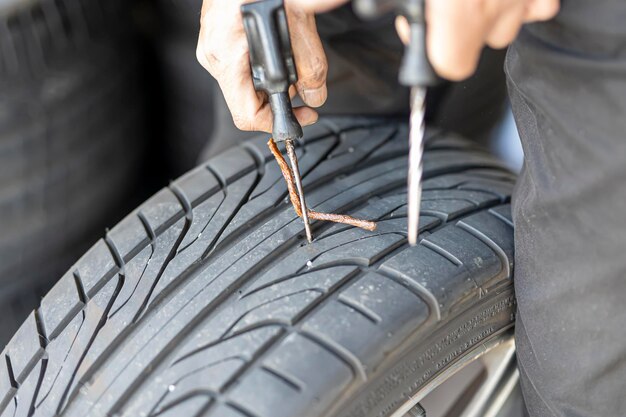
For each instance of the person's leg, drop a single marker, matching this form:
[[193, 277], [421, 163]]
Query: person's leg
[[567, 82]]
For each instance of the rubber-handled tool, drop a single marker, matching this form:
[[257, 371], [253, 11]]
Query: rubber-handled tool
[[273, 72], [417, 73]]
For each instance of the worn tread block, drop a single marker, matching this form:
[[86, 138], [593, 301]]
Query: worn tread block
[[494, 232], [362, 250], [367, 142], [197, 355], [503, 213], [256, 392], [211, 235], [160, 209], [277, 190], [9, 409], [478, 261], [450, 181], [232, 164], [281, 302], [279, 309], [210, 378], [128, 235], [353, 138], [25, 349], [28, 390], [190, 406], [325, 279], [400, 146], [202, 214], [198, 185], [223, 410], [96, 267], [499, 188], [477, 198], [60, 305], [353, 326], [6, 388], [68, 375], [419, 265], [57, 351], [134, 271]]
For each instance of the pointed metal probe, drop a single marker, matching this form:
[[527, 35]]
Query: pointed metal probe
[[416, 151], [416, 73], [273, 71]]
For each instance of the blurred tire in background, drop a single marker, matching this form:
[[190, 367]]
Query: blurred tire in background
[[188, 90], [71, 138]]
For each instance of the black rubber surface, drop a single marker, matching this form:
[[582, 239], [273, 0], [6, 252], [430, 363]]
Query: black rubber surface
[[70, 140], [34, 34], [206, 300]]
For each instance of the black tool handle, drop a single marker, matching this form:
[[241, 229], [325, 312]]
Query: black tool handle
[[272, 62], [415, 69]]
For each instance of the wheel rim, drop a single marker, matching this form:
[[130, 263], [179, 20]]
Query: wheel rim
[[485, 394]]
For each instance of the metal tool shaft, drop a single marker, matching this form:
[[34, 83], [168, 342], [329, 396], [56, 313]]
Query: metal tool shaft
[[416, 150], [273, 68], [417, 73], [293, 159]]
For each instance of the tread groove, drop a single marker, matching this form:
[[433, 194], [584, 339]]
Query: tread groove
[[289, 380], [103, 319], [359, 308], [338, 350], [80, 288], [184, 202], [417, 289], [504, 260], [441, 251]]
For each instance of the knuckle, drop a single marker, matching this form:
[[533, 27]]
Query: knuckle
[[550, 9], [458, 71], [498, 43], [243, 121], [544, 10], [316, 75], [454, 65], [201, 57]]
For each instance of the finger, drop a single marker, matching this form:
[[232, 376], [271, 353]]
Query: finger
[[316, 6], [200, 49], [306, 116], [506, 27], [540, 10], [292, 91], [456, 36], [403, 29], [309, 56], [218, 30], [248, 108]]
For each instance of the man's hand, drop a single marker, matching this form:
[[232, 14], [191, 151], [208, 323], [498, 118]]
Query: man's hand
[[223, 51], [459, 29]]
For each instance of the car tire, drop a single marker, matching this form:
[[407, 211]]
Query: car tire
[[207, 300], [70, 139]]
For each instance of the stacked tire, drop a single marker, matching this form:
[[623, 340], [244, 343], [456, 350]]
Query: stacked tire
[[70, 138], [188, 90]]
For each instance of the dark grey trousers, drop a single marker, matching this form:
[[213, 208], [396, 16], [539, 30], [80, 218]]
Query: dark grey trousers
[[567, 83]]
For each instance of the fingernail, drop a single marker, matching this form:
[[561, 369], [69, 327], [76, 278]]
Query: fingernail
[[314, 97]]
